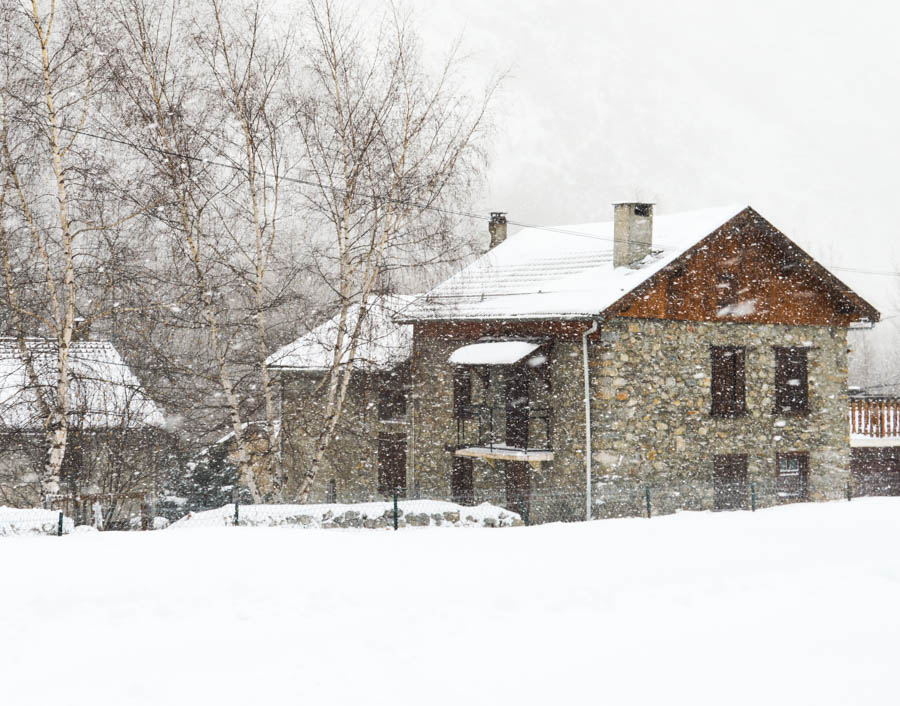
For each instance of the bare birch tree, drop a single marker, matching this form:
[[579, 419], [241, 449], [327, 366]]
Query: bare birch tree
[[206, 84], [60, 220], [387, 147]]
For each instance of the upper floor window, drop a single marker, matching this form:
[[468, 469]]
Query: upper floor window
[[791, 384], [727, 381], [391, 401]]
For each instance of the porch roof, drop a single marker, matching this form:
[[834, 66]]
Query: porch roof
[[493, 353]]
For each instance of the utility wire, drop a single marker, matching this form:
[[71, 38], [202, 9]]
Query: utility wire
[[404, 202]]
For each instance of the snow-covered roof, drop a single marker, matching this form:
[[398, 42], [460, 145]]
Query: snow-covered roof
[[560, 272], [383, 344], [104, 392]]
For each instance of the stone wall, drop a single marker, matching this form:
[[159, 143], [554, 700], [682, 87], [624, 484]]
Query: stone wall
[[557, 486], [351, 462], [651, 422]]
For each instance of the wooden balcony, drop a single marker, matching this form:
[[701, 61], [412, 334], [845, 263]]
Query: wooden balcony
[[875, 421]]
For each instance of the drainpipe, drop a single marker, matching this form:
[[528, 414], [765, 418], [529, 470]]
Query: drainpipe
[[587, 421]]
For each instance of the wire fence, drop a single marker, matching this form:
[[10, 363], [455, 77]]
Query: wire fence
[[490, 507]]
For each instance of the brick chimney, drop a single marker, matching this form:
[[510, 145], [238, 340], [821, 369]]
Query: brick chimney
[[497, 228], [632, 232]]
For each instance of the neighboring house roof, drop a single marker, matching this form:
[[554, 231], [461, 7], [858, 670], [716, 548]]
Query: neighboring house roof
[[104, 393], [383, 344], [567, 272]]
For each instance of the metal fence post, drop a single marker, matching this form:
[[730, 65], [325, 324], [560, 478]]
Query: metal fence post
[[647, 497], [849, 493], [396, 518], [237, 516], [59, 526], [753, 497]]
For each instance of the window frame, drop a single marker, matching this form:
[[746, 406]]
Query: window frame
[[720, 404], [783, 480]]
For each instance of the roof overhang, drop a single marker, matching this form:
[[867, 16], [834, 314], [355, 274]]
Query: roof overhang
[[493, 353]]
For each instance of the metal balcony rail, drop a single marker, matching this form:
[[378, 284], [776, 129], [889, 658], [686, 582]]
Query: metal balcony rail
[[485, 426]]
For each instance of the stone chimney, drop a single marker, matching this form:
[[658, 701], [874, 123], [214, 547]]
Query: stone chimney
[[497, 228], [632, 232]]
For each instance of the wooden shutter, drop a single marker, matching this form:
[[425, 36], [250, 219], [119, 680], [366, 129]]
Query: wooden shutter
[[462, 393], [462, 486], [728, 373], [791, 380], [392, 464]]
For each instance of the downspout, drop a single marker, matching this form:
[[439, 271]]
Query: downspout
[[587, 421]]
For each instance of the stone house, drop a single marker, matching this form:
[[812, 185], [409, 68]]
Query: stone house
[[117, 438], [701, 354], [368, 456]]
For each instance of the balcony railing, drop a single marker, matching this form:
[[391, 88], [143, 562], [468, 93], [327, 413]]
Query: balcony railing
[[485, 426], [875, 417]]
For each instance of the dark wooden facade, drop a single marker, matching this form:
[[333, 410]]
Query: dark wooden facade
[[746, 271]]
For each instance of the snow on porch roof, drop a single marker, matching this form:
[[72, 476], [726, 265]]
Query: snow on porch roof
[[492, 353], [563, 272]]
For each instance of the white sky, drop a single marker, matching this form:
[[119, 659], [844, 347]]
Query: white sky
[[792, 107]]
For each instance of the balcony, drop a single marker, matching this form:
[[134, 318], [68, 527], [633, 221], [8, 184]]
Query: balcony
[[521, 434], [875, 422]]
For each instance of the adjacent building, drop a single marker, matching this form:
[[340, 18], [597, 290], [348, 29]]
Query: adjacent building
[[368, 455], [116, 432]]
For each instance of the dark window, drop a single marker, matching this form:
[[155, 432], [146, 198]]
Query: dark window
[[462, 485], [392, 464], [791, 385], [462, 393], [730, 481], [726, 290], [391, 400], [727, 381], [331, 492], [792, 476]]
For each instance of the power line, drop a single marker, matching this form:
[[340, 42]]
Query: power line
[[404, 202]]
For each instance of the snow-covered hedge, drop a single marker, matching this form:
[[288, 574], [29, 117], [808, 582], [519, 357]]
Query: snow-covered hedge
[[18, 521], [377, 515]]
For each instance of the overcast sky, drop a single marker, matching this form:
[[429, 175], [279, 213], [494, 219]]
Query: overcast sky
[[791, 107]]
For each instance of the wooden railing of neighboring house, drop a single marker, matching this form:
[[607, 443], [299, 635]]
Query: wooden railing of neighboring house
[[875, 416]]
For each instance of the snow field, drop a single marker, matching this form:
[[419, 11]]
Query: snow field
[[795, 604]]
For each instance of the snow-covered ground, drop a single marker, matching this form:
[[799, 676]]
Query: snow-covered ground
[[794, 605]]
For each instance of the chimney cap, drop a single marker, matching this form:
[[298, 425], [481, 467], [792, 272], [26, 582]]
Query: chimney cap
[[498, 216]]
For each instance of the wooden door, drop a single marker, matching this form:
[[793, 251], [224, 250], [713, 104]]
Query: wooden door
[[518, 487], [392, 464], [730, 482], [517, 408], [462, 484]]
